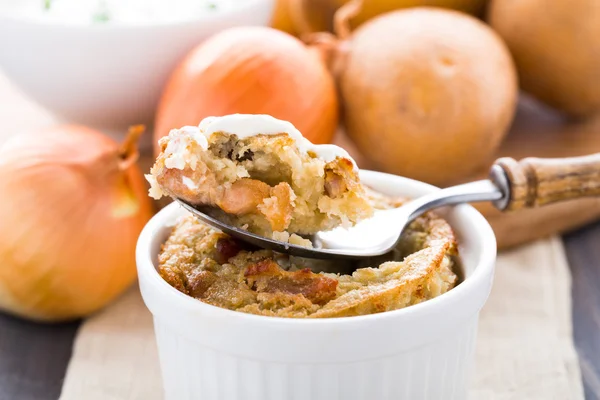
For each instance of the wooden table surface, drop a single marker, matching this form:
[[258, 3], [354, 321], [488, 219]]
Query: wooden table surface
[[583, 253], [34, 357]]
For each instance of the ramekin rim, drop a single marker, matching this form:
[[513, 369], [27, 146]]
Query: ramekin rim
[[484, 269]]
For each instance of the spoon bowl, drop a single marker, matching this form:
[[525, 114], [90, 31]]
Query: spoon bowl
[[373, 237], [512, 185]]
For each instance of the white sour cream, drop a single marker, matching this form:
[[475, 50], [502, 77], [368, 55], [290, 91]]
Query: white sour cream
[[245, 125]]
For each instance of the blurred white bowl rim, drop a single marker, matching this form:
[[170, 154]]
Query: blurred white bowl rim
[[108, 76], [420, 352]]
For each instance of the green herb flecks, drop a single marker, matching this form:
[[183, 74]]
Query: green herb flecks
[[211, 6], [47, 4], [102, 14]]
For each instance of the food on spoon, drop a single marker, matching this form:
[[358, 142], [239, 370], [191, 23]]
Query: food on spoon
[[73, 204], [262, 175], [252, 70], [556, 48], [214, 268], [266, 177], [428, 93]]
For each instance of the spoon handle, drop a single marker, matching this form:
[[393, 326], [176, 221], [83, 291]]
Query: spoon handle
[[534, 182]]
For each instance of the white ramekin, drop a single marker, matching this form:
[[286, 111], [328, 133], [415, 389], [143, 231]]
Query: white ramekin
[[417, 353]]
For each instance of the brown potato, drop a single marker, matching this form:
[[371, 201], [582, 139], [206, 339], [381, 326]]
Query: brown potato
[[556, 47], [428, 93]]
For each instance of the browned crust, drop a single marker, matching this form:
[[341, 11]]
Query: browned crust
[[408, 289], [267, 276], [213, 268]]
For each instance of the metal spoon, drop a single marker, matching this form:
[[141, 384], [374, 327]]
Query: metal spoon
[[511, 185]]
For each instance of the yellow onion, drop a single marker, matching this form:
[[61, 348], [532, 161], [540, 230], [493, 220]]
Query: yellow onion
[[252, 70], [299, 17], [72, 204]]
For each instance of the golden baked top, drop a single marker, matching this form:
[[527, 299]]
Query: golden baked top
[[212, 267]]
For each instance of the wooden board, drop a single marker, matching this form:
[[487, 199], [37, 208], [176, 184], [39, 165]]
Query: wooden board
[[540, 132]]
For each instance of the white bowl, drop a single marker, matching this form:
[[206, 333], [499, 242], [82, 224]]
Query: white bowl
[[417, 353], [107, 76]]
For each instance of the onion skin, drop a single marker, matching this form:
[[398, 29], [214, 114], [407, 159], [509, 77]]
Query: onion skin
[[428, 93], [317, 15], [281, 18], [70, 220], [297, 17], [556, 47], [251, 70], [373, 8]]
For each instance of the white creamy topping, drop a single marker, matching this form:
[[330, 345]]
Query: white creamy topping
[[245, 125], [177, 146], [196, 134], [189, 183]]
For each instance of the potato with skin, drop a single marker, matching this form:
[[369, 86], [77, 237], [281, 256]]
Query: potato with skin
[[556, 47], [428, 93]]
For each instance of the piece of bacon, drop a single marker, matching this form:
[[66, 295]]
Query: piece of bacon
[[226, 248], [267, 276]]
